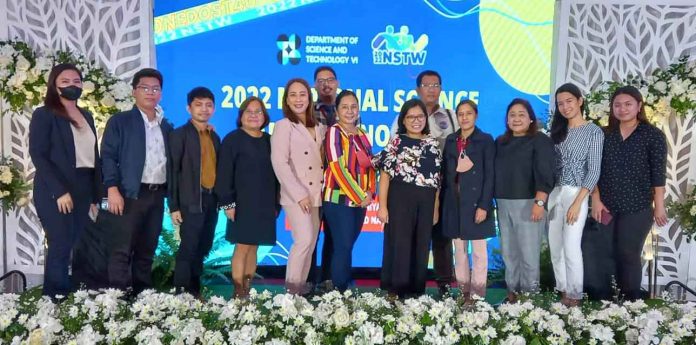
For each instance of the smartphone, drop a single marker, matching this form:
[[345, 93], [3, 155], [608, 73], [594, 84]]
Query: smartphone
[[605, 218], [104, 205]]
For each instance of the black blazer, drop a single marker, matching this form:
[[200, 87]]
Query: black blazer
[[52, 150], [184, 168], [123, 151]]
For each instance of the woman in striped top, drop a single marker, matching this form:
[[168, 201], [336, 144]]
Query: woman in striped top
[[349, 184], [578, 146]]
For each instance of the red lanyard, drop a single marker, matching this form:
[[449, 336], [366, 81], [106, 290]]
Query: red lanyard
[[462, 144]]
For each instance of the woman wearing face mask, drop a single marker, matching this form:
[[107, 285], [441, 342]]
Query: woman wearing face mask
[[408, 201], [630, 194], [578, 146], [349, 184], [296, 155], [63, 148], [467, 206], [524, 168]]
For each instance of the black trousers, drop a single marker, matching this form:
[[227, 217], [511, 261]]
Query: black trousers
[[197, 233], [320, 274], [134, 245], [407, 238], [442, 255], [629, 232], [63, 230]]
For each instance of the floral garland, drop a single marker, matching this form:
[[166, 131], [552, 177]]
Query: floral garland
[[665, 91], [685, 211], [13, 186], [89, 317], [24, 73]]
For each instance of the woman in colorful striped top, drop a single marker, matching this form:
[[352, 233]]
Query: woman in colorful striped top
[[349, 184]]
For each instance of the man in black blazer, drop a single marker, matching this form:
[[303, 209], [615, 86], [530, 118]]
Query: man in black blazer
[[192, 166], [134, 168]]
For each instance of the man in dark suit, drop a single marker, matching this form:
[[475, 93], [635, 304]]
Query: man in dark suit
[[193, 206], [134, 155]]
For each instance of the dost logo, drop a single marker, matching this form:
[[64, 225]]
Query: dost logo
[[398, 48], [289, 49]]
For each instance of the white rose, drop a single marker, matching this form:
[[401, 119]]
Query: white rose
[[44, 63], [5, 61], [22, 64], [121, 90], [661, 86], [678, 87], [18, 79], [88, 87], [22, 201], [108, 101], [341, 318], [7, 50], [692, 212], [29, 95]]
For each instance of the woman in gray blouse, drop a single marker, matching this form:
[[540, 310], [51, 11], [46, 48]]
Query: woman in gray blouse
[[578, 146]]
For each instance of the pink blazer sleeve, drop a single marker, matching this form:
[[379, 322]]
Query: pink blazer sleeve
[[280, 158]]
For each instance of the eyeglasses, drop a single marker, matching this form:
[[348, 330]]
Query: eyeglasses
[[413, 118], [254, 112], [431, 86], [326, 81], [147, 89]]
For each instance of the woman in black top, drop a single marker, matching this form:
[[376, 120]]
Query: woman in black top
[[630, 194], [63, 148], [467, 213], [524, 177], [248, 191], [408, 188]]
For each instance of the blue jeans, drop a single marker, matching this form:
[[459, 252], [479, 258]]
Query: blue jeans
[[346, 223]]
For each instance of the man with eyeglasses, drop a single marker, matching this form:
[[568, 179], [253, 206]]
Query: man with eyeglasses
[[326, 85], [134, 168], [442, 122]]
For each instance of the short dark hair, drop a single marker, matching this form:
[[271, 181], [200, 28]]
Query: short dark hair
[[412, 103], [533, 127], [243, 107], [419, 79], [52, 98], [324, 68], [147, 72], [199, 92]]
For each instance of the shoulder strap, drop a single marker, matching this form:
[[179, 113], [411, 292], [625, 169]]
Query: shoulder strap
[[449, 116]]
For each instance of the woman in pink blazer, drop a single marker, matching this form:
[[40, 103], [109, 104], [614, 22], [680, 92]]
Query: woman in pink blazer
[[298, 163]]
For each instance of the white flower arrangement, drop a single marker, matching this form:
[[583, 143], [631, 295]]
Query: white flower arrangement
[[14, 190], [24, 73], [90, 317], [666, 91]]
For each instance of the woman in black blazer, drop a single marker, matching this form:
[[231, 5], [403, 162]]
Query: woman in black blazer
[[63, 148], [467, 207]]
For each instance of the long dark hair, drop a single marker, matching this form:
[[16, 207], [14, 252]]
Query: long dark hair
[[52, 98], [412, 103], [559, 124], [633, 92], [533, 126], [309, 113]]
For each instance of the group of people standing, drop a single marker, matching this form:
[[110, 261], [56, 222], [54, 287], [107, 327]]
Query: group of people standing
[[441, 179]]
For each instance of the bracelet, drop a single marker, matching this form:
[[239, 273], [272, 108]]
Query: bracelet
[[229, 206]]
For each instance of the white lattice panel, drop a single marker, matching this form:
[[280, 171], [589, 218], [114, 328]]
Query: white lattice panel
[[609, 40]]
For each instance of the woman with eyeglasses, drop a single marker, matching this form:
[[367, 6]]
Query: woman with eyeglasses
[[248, 191], [297, 157], [63, 148], [408, 201], [467, 206], [349, 184]]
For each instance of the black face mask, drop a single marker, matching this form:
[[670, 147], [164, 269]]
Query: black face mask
[[71, 93]]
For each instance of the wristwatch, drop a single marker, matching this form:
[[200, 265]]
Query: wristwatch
[[539, 202]]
